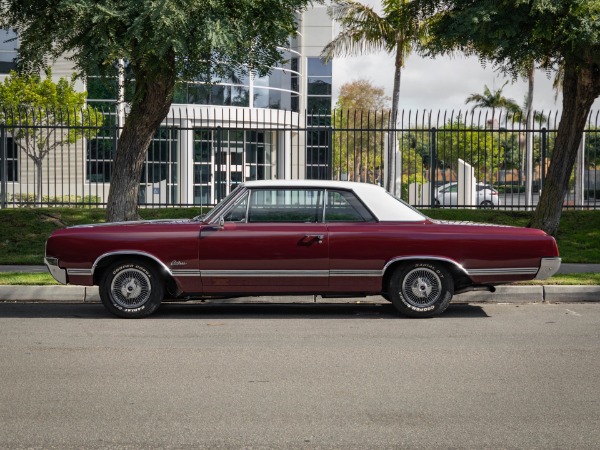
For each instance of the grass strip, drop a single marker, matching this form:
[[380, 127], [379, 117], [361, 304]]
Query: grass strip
[[43, 279], [26, 279]]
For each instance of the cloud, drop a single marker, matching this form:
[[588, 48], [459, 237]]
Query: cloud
[[441, 83]]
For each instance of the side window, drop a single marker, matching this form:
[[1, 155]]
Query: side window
[[343, 206], [238, 212], [286, 205], [8, 50]]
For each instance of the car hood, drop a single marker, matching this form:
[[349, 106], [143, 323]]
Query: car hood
[[132, 223]]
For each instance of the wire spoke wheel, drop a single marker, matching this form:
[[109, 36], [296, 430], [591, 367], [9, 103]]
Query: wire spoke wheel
[[131, 288], [422, 287]]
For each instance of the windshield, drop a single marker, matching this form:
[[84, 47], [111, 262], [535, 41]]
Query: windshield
[[219, 207]]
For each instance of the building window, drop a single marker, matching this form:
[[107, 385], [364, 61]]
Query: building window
[[160, 171], [318, 120], [204, 94], [8, 50], [12, 160], [319, 79], [99, 155], [224, 158]]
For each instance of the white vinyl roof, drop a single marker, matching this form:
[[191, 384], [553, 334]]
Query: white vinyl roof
[[383, 205]]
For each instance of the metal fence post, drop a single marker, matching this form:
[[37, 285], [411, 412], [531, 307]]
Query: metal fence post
[[544, 148], [579, 174], [432, 167], [3, 171], [329, 175]]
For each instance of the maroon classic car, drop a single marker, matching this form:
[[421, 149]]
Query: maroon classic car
[[298, 237]]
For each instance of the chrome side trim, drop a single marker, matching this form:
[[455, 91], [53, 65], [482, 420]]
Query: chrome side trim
[[355, 273], [425, 258], [186, 273], [504, 271], [548, 267], [79, 271], [276, 273], [265, 273], [130, 252]]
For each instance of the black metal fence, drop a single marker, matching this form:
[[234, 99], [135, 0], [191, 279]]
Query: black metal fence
[[64, 158]]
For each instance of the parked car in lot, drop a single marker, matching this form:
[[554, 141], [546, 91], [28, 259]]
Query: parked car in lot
[[486, 196], [298, 237]]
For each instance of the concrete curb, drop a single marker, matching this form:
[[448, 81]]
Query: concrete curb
[[555, 294], [503, 294], [79, 294]]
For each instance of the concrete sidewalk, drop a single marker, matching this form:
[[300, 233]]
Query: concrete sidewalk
[[503, 294]]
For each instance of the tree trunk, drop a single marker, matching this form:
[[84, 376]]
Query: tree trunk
[[39, 181], [153, 100], [391, 152], [581, 86]]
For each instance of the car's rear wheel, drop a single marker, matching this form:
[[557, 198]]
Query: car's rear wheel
[[486, 204], [421, 289], [131, 289]]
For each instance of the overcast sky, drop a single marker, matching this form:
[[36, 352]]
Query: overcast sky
[[441, 83]]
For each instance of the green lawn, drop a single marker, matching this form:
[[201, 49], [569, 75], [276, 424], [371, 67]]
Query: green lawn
[[23, 232]]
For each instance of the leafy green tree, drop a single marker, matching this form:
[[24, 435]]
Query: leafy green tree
[[357, 144], [473, 144], [34, 109], [514, 33], [364, 31], [162, 42], [415, 149]]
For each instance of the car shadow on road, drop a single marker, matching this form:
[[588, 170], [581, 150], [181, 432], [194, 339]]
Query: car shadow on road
[[233, 311]]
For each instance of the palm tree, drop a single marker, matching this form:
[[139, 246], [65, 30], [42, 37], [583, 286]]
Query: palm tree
[[364, 31], [493, 99], [524, 115]]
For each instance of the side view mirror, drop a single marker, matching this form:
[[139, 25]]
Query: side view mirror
[[221, 222]]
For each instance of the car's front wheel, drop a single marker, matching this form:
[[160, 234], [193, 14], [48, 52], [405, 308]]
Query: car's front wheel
[[421, 289], [131, 289]]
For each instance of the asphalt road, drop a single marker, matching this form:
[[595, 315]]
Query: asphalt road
[[300, 376]]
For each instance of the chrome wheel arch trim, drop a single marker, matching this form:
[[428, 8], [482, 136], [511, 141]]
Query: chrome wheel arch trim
[[131, 253], [425, 258]]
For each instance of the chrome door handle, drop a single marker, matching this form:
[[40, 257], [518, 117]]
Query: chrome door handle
[[312, 237]]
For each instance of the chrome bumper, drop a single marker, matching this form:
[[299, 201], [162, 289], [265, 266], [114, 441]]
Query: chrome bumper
[[59, 274], [548, 267]]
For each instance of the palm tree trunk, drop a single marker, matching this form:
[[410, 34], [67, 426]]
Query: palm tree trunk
[[580, 89], [391, 169], [529, 136]]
